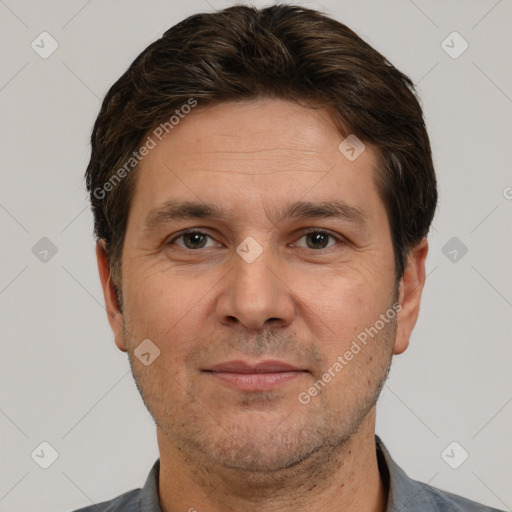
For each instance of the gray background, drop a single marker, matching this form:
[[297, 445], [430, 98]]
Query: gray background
[[62, 379]]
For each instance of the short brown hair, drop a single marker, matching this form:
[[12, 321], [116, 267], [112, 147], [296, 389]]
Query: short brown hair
[[281, 51]]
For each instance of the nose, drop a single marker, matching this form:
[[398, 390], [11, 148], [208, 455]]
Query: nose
[[255, 295]]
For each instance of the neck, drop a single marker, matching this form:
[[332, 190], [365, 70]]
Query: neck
[[341, 478]]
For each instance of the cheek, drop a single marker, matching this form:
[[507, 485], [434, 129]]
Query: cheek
[[159, 305], [357, 294], [348, 307]]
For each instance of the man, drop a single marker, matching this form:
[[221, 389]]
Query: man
[[262, 187]]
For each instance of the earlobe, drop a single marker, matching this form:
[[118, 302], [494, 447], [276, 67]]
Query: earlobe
[[114, 314], [410, 290]]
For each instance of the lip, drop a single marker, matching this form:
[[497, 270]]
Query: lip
[[261, 376], [267, 366]]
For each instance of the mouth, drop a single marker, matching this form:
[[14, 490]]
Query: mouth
[[252, 377]]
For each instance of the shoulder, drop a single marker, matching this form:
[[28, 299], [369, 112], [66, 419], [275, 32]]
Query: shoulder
[[407, 494], [447, 501], [127, 502]]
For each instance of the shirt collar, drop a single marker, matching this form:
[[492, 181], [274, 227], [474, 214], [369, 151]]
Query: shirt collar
[[149, 501], [404, 493]]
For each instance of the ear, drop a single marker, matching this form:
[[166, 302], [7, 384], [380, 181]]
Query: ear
[[114, 314], [411, 287]]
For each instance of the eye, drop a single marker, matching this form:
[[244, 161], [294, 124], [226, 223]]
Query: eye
[[191, 239], [318, 239], [194, 239]]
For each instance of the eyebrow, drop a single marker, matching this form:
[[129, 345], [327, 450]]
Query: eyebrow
[[172, 210]]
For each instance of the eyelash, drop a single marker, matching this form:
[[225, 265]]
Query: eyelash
[[308, 231]]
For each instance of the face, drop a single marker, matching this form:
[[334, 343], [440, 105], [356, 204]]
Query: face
[[257, 294]]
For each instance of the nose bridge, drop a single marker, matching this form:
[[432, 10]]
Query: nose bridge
[[254, 294]]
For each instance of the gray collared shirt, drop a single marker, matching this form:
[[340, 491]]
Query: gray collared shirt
[[405, 494]]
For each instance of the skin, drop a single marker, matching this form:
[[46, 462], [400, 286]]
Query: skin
[[302, 301]]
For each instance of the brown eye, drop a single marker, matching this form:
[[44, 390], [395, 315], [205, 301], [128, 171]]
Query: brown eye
[[316, 239], [192, 240]]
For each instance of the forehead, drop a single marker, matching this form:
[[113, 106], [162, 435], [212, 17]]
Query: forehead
[[265, 129], [258, 152]]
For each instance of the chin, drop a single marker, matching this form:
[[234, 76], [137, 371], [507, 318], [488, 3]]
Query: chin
[[257, 457], [262, 444]]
